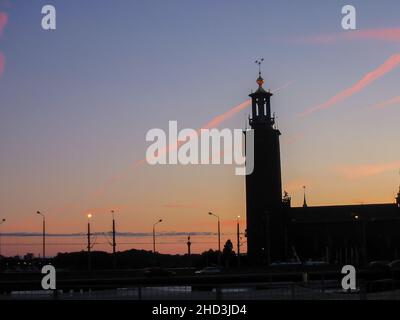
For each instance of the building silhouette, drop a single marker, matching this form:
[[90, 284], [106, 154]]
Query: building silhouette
[[276, 231], [265, 221]]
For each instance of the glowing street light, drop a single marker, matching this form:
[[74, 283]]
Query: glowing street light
[[89, 216]]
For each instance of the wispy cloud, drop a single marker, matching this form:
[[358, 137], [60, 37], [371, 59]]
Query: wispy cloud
[[352, 172], [3, 21], [369, 78], [169, 148], [213, 123], [216, 121], [381, 34], [386, 103]]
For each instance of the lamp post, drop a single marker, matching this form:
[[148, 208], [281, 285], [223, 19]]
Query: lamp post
[[363, 223], [43, 234], [89, 216], [154, 235], [219, 236], [189, 243], [1, 222], [238, 239], [114, 244]]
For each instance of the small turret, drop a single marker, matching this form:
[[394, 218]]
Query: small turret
[[286, 200]]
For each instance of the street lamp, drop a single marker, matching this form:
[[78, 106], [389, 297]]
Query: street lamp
[[1, 222], [238, 239], [219, 236], [89, 216], [189, 243], [114, 244], [154, 235], [363, 222], [43, 234]]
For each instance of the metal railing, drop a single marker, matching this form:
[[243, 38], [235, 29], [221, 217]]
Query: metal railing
[[371, 290]]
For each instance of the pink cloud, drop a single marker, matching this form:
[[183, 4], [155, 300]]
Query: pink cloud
[[229, 114], [232, 112], [213, 123], [360, 171], [216, 121], [3, 21], [383, 34], [369, 78], [386, 103]]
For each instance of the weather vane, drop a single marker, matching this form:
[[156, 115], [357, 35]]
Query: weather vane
[[259, 62]]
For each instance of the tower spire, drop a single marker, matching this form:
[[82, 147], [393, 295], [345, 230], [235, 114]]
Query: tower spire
[[304, 199], [260, 80], [259, 62], [261, 105]]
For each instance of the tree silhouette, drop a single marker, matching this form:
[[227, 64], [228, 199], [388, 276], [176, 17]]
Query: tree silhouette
[[227, 252]]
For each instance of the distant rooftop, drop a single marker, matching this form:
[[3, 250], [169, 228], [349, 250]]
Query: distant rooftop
[[344, 213]]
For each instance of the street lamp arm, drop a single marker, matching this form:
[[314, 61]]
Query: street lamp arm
[[157, 223], [213, 214], [41, 214]]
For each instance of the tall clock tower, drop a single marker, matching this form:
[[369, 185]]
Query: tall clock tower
[[265, 220]]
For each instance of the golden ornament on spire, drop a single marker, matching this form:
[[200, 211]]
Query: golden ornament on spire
[[260, 81]]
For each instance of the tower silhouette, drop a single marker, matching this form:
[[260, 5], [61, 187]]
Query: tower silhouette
[[265, 221]]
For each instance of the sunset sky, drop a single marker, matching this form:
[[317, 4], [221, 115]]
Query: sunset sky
[[76, 104]]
